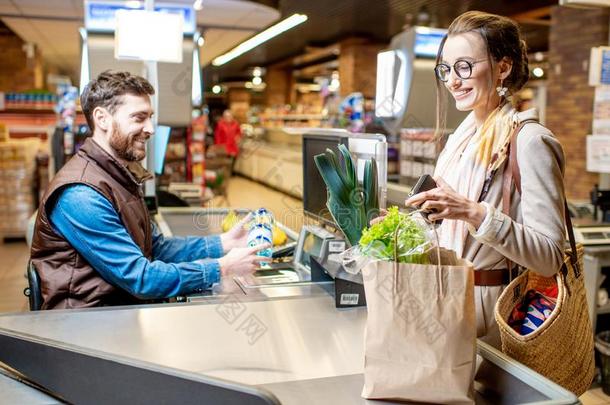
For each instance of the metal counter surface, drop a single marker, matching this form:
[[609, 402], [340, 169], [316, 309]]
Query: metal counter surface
[[250, 342], [303, 350]]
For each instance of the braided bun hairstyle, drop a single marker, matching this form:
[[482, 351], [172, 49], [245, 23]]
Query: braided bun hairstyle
[[502, 38]]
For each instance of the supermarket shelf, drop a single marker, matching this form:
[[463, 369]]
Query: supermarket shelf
[[294, 117], [33, 110], [28, 110]]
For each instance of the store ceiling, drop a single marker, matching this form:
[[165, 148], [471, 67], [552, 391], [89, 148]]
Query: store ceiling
[[53, 26], [378, 20]]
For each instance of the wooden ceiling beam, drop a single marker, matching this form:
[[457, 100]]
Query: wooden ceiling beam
[[534, 14]]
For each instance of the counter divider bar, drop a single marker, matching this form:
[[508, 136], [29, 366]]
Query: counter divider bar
[[76, 376]]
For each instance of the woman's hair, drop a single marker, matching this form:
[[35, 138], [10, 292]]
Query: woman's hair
[[502, 38]]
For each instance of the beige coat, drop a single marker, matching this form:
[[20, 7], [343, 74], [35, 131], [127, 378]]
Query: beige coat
[[533, 236]]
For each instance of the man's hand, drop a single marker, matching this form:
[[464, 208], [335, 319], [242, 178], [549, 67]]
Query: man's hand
[[236, 237], [448, 204], [240, 261]]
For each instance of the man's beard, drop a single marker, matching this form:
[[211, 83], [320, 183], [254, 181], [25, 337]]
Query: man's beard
[[123, 144]]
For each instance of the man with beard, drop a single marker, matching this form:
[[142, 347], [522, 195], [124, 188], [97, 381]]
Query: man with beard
[[94, 243]]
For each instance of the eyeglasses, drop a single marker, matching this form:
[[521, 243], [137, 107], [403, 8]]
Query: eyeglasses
[[462, 68]]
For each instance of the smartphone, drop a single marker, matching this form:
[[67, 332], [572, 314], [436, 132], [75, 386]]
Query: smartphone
[[425, 183]]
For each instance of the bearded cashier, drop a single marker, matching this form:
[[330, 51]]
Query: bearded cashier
[[94, 243]]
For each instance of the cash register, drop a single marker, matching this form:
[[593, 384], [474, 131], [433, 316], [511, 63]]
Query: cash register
[[596, 230]]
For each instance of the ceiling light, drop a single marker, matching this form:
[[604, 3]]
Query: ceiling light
[[538, 72], [256, 80], [259, 38], [256, 72], [216, 89], [200, 41], [133, 4], [198, 5]]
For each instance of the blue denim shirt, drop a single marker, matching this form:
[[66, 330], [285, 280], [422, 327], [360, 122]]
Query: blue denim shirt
[[180, 265]]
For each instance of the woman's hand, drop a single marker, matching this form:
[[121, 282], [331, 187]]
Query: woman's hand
[[380, 217], [444, 203]]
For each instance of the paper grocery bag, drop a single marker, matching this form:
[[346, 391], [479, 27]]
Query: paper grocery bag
[[420, 338]]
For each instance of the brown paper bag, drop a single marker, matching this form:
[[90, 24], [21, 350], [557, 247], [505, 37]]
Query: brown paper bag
[[420, 336]]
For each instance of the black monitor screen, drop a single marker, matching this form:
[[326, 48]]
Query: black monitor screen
[[314, 189]]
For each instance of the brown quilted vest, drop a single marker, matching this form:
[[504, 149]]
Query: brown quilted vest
[[67, 280]]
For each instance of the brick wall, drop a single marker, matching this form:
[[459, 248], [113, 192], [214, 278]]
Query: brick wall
[[16, 72], [239, 103], [277, 91], [358, 67], [570, 99]]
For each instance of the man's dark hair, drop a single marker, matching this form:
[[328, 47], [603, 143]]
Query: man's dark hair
[[106, 91]]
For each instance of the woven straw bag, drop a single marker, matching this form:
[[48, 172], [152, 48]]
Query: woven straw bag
[[561, 349]]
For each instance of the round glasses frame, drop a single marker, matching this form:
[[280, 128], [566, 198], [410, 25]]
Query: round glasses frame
[[461, 67]]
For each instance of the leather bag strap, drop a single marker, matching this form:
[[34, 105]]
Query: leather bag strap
[[513, 174]]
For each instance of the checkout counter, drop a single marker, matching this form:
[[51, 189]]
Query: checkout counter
[[279, 338], [230, 349]]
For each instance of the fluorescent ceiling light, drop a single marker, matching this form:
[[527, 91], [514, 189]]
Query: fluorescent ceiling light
[[259, 38]]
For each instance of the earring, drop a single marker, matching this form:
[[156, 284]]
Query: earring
[[501, 89]]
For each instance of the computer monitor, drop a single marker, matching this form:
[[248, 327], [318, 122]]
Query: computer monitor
[[160, 147], [314, 189], [427, 41], [405, 94], [361, 147]]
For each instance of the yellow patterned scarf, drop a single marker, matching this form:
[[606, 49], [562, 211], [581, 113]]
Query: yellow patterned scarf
[[494, 138], [469, 161]]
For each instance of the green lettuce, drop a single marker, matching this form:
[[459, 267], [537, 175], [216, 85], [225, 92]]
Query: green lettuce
[[378, 241]]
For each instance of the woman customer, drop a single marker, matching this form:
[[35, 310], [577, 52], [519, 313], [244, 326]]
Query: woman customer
[[228, 133], [481, 62]]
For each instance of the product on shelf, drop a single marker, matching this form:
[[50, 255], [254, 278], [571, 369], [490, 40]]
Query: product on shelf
[[418, 153], [30, 100], [17, 181], [196, 149]]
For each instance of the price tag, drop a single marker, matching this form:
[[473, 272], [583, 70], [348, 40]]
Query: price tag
[[349, 299], [336, 246]]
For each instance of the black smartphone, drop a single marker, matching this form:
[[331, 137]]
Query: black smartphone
[[424, 183]]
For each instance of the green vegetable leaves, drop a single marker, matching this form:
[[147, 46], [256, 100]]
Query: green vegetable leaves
[[351, 205], [397, 237]]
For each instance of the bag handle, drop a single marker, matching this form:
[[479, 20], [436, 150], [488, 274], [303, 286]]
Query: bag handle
[[512, 173]]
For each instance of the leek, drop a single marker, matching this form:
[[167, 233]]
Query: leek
[[352, 206]]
